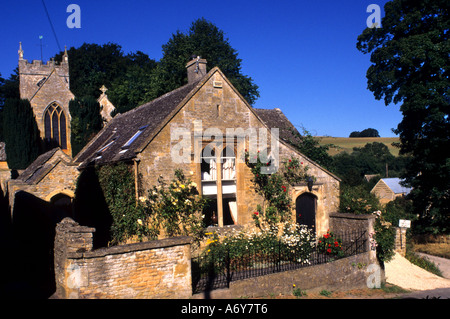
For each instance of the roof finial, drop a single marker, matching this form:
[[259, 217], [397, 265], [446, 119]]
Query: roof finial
[[20, 51], [65, 55]]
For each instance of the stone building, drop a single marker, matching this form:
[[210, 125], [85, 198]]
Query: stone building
[[106, 107], [388, 189], [203, 128], [46, 86]]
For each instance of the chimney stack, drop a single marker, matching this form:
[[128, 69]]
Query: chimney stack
[[196, 69]]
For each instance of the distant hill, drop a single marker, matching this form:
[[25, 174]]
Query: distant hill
[[346, 144]]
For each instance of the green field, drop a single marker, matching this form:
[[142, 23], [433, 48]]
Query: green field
[[346, 144]]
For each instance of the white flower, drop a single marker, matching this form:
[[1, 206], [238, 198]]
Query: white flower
[[142, 199], [139, 221]]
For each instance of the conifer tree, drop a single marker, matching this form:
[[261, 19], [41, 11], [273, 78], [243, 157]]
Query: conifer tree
[[21, 133]]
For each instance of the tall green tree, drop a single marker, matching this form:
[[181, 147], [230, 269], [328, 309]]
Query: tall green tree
[[136, 85], [411, 66], [206, 40], [86, 121], [93, 65], [21, 133]]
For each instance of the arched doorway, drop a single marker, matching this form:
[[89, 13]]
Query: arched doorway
[[62, 204], [306, 207]]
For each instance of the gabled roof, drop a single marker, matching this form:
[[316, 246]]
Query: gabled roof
[[42, 165], [139, 125], [274, 118], [395, 186], [110, 144]]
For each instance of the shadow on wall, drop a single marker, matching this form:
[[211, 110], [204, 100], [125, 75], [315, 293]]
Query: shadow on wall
[[90, 208], [31, 269]]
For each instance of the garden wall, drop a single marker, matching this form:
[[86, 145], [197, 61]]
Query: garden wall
[[347, 273], [154, 269]]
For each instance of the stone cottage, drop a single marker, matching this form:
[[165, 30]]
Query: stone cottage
[[388, 189], [203, 128]]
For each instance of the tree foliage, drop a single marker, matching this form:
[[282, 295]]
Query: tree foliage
[[206, 40], [371, 159], [369, 132], [410, 65], [21, 133], [86, 121]]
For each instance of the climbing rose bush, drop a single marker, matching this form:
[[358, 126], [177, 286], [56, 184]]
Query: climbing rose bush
[[329, 244]]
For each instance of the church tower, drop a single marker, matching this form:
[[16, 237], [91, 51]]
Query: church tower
[[46, 86]]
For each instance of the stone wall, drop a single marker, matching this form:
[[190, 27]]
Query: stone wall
[[342, 222], [400, 240], [154, 269], [352, 272], [222, 108]]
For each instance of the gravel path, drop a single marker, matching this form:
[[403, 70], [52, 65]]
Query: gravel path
[[400, 272]]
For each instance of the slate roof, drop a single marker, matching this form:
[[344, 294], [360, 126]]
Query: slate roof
[[108, 145], [40, 167], [2, 152], [394, 185], [274, 118]]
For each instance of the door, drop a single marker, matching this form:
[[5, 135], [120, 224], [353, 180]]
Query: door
[[305, 206]]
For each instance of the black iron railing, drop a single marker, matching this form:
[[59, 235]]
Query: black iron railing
[[215, 270]]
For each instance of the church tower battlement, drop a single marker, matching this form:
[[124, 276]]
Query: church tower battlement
[[47, 87]]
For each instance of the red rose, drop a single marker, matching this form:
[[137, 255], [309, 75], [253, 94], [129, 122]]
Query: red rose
[[256, 213], [329, 250], [290, 161]]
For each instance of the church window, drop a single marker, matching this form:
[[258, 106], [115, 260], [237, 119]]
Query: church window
[[55, 125]]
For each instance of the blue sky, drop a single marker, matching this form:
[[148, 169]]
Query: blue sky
[[301, 54]]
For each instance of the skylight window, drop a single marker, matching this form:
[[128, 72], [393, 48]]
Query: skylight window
[[134, 137], [104, 148]]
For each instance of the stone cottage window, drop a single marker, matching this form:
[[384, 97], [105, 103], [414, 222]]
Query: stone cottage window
[[219, 185], [55, 125]]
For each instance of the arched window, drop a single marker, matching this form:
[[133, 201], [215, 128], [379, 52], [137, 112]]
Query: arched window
[[55, 125]]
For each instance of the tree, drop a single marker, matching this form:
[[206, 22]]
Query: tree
[[310, 146], [93, 65], [206, 40], [410, 65], [370, 159], [86, 121], [21, 133], [136, 86], [369, 132]]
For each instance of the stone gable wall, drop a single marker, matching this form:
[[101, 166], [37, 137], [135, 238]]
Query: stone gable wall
[[62, 178], [222, 108]]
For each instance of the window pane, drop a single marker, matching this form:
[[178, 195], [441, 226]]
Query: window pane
[[62, 122], [48, 126], [55, 127]]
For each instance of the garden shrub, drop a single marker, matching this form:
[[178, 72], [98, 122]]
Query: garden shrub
[[330, 245]]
